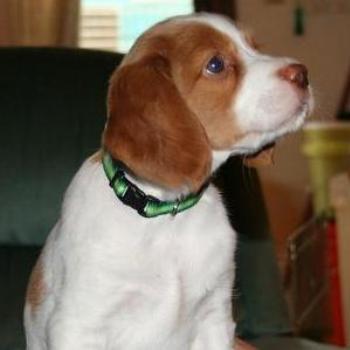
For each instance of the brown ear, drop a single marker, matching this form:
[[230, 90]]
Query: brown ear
[[151, 129]]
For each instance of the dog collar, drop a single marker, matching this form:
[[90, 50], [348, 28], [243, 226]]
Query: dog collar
[[146, 205]]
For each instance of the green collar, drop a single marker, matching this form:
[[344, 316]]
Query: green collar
[[132, 196]]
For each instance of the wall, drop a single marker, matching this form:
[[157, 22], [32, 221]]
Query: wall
[[325, 49]]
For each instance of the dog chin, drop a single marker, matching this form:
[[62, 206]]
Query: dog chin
[[270, 138]]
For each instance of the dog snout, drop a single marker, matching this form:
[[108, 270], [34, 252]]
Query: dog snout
[[296, 74]]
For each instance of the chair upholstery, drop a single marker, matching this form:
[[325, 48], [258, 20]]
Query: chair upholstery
[[52, 112]]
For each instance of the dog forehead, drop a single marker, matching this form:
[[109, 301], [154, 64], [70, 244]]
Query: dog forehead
[[195, 29], [227, 28]]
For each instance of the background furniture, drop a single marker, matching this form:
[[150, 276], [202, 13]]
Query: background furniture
[[327, 148], [340, 199], [52, 112]]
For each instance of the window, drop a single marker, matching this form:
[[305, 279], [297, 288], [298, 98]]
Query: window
[[115, 24]]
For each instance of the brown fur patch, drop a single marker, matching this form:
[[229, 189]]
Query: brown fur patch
[[151, 129], [36, 286], [211, 97], [165, 113], [251, 40], [96, 157]]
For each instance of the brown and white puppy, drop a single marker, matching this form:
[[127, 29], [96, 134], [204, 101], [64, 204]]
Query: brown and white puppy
[[190, 93]]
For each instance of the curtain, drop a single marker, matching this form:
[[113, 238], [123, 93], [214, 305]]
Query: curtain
[[39, 22], [225, 7]]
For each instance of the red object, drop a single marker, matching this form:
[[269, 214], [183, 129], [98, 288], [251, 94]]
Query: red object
[[337, 333]]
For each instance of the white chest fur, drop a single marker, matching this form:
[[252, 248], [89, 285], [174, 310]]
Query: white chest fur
[[116, 280]]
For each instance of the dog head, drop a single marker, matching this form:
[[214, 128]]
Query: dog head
[[193, 91]]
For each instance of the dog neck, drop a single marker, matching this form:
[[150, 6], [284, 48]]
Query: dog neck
[[166, 194], [147, 199]]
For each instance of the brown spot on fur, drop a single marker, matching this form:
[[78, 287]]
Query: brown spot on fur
[[250, 39], [249, 36], [96, 157], [36, 286], [165, 114]]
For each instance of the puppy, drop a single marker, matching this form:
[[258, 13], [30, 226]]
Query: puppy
[[142, 256]]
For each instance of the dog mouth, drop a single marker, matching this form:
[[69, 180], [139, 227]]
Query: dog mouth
[[258, 147], [264, 155]]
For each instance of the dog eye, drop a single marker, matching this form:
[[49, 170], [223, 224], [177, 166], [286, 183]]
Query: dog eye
[[215, 65]]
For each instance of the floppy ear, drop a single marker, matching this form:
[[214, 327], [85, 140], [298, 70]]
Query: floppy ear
[[151, 129]]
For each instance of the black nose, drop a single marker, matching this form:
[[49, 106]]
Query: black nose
[[296, 74]]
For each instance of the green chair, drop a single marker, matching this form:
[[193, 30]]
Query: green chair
[[52, 113]]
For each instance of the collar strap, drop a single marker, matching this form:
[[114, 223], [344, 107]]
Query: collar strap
[[146, 205]]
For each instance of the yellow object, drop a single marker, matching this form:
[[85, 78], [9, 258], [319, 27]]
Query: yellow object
[[327, 147]]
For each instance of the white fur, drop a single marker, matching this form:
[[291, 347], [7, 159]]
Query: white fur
[[117, 281], [266, 107]]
